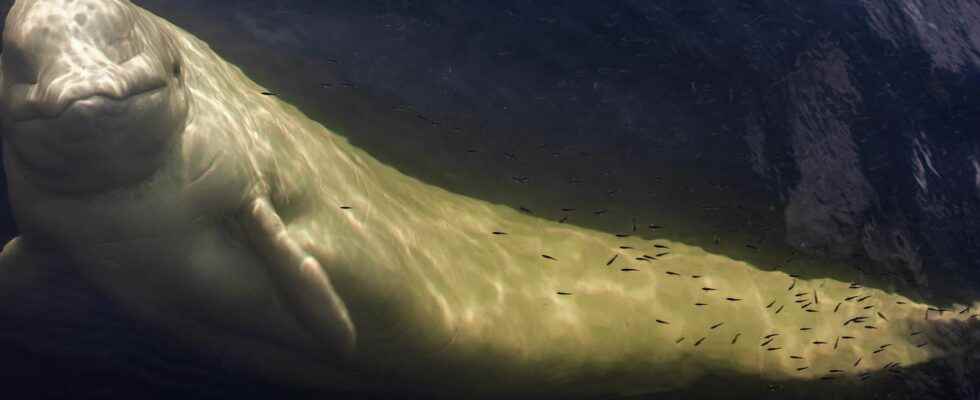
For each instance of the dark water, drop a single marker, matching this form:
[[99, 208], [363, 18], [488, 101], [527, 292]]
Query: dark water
[[695, 100]]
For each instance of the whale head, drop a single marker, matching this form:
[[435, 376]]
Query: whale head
[[91, 93]]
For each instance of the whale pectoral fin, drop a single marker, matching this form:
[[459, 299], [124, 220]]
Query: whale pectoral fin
[[303, 284], [23, 267]]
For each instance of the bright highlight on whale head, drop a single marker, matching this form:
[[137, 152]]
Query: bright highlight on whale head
[[92, 92]]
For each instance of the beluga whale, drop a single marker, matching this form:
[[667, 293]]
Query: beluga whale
[[167, 178]]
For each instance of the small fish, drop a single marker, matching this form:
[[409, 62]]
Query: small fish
[[900, 302], [698, 342], [878, 351], [882, 316], [857, 362], [707, 289], [626, 247], [766, 342], [849, 298], [735, 338], [847, 337], [600, 211], [805, 328], [798, 301], [811, 310], [345, 207], [662, 254], [965, 310], [835, 371], [268, 94], [771, 335], [816, 300], [915, 333], [695, 276], [753, 247], [700, 304], [868, 307], [622, 235], [563, 219], [642, 259], [567, 209], [733, 299], [863, 298], [854, 286], [796, 357], [870, 327], [549, 257], [802, 368], [921, 344], [779, 309], [628, 269], [804, 306], [611, 260], [801, 294], [819, 342], [660, 321], [791, 285], [794, 276], [827, 378], [499, 233], [836, 341], [525, 209], [771, 303], [885, 346], [672, 273], [564, 293], [716, 325], [773, 348], [660, 246], [649, 257], [652, 226], [679, 340], [837, 307]]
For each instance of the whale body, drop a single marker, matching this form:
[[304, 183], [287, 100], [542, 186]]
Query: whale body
[[227, 217]]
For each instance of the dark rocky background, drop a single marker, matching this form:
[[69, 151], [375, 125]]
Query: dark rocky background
[[838, 136]]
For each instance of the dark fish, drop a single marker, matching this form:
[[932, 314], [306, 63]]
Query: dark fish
[[870, 327], [811, 310], [698, 342], [622, 235], [827, 378], [878, 351], [611, 260], [837, 307], [626, 247], [735, 338], [660, 246], [345, 207], [679, 340], [766, 342], [804, 306], [857, 362], [695, 276], [268, 94], [549, 257], [773, 348], [779, 309], [753, 247], [854, 286], [847, 337], [652, 226], [798, 301], [642, 259], [600, 211], [716, 325], [649, 257], [915, 333], [707, 289], [791, 285], [796, 357], [700, 304], [801, 294], [567, 209], [525, 209], [662, 254], [794, 276], [564, 293], [802, 368], [563, 219], [816, 300], [805, 329], [672, 273], [499, 233], [835, 371], [869, 307], [885, 346], [836, 341], [850, 298], [863, 298], [819, 342], [771, 335], [900, 302], [628, 269], [921, 344], [882, 316], [965, 310], [733, 299], [660, 321], [771, 303]]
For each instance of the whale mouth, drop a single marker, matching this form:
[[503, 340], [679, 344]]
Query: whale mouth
[[105, 103]]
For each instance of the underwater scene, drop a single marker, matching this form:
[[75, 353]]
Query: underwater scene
[[509, 199]]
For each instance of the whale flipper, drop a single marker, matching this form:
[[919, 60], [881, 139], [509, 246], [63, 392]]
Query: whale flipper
[[303, 284]]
